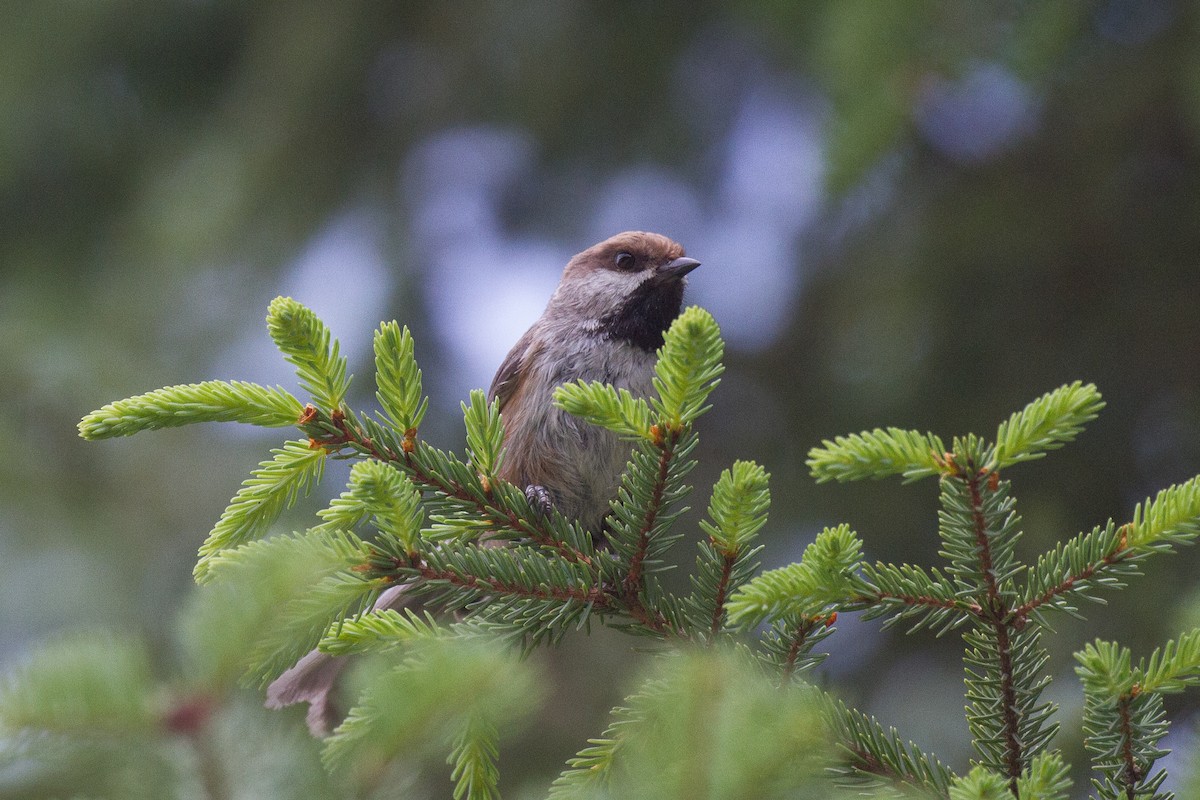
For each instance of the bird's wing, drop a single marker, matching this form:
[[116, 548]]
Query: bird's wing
[[512, 370]]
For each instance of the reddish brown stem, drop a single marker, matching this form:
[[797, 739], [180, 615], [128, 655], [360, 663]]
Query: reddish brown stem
[[998, 618], [634, 581], [595, 596], [798, 640], [1132, 773], [349, 436], [722, 590], [1020, 615]]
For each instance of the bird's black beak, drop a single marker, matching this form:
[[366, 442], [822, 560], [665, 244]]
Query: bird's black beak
[[678, 268]]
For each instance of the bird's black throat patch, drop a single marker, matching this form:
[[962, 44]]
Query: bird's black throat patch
[[646, 314]]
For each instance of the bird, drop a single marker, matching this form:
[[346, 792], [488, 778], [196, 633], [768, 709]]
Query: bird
[[604, 322]]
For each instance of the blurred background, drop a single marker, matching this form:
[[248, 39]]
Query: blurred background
[[922, 214]]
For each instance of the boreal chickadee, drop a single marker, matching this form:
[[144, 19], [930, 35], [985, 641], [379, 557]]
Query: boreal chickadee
[[604, 323]]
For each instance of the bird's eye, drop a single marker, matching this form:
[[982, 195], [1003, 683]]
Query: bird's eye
[[625, 262]]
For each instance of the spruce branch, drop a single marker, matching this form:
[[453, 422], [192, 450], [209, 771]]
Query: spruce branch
[[1048, 778], [381, 630], [473, 758], [979, 530], [459, 501], [738, 510], [1005, 678], [1123, 714], [307, 344], [788, 644], [981, 783], [1103, 558], [1099, 559], [600, 404], [1121, 723], [485, 435], [1047, 423], [398, 379], [210, 401], [449, 694], [1171, 668], [879, 752], [911, 594], [704, 724], [688, 368], [520, 588], [823, 579], [878, 454], [381, 492], [1171, 518], [645, 508], [269, 602], [270, 489]]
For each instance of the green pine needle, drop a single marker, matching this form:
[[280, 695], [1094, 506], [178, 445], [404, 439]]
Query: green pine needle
[[1048, 778], [381, 630], [738, 508], [877, 454], [485, 434], [383, 493], [398, 378], [823, 577], [1172, 517], [689, 367], [601, 404], [981, 784], [273, 487], [307, 344], [1047, 423], [210, 401]]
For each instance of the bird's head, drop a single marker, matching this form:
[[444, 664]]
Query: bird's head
[[628, 287]]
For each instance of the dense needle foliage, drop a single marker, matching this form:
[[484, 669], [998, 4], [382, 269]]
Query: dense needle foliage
[[725, 712]]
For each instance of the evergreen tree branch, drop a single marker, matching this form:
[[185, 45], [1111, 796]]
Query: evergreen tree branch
[[688, 368], [1008, 722], [210, 401], [982, 783], [84, 684], [822, 580], [908, 591], [1098, 559], [878, 454], [633, 585], [270, 489], [881, 753], [1101, 558], [268, 602], [398, 378], [800, 641], [600, 404], [1047, 778], [308, 345], [1047, 423], [500, 506]]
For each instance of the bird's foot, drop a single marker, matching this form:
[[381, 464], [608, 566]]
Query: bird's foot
[[539, 498]]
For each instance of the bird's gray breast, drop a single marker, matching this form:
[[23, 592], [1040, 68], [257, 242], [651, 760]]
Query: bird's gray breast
[[586, 461]]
